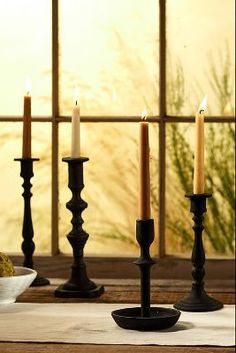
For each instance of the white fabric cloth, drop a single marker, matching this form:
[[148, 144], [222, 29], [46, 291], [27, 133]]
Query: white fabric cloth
[[92, 323]]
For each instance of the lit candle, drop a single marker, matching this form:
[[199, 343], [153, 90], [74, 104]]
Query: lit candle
[[198, 179], [75, 128], [144, 177], [26, 150]]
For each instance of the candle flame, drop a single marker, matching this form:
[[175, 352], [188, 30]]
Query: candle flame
[[76, 94], [28, 86], [203, 105], [144, 115]]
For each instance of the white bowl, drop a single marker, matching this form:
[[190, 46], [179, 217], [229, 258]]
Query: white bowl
[[11, 287]]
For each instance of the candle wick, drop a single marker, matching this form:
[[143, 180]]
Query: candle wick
[[144, 118], [201, 111], [76, 102]]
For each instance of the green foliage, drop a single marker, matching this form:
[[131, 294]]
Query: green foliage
[[221, 80], [219, 221], [220, 179], [220, 138], [176, 89]]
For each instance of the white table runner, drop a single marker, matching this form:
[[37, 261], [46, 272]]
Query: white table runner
[[92, 323]]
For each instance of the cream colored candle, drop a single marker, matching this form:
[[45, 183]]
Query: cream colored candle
[[198, 179], [26, 147], [144, 174], [75, 128]]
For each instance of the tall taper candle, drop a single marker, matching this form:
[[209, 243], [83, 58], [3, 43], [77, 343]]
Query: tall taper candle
[[26, 149], [144, 174], [198, 178], [75, 128]]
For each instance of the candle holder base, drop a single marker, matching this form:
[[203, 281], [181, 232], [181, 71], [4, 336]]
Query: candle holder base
[[79, 285], [40, 281], [159, 319], [145, 318], [28, 245], [198, 301], [70, 290]]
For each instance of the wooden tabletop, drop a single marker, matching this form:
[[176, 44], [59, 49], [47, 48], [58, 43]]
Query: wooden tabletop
[[122, 291]]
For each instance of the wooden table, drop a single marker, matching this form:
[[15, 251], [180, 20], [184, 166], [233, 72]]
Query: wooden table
[[122, 291]]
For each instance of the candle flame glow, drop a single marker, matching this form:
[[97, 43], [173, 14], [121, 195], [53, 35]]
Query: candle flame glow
[[203, 105], [76, 94], [144, 115], [28, 86]]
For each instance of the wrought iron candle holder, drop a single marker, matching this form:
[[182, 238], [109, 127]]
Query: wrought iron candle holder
[[79, 285], [28, 245], [198, 300], [145, 318]]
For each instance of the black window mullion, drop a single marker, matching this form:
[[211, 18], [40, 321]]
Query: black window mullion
[[55, 113], [162, 127]]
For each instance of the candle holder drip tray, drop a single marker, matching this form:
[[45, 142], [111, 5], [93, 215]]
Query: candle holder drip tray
[[145, 317], [159, 318]]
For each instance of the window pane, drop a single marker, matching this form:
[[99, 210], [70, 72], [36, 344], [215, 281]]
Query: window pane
[[200, 56], [111, 186], [110, 49], [12, 208], [25, 42], [220, 180]]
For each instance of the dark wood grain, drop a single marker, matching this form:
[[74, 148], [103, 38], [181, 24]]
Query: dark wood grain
[[127, 291], [169, 267]]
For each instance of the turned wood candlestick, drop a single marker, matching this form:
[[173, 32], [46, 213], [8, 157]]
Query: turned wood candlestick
[[28, 245], [198, 299], [79, 284]]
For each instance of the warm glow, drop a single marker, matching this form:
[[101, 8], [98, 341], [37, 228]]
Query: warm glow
[[28, 86], [114, 96], [227, 109], [203, 105], [76, 94], [144, 115]]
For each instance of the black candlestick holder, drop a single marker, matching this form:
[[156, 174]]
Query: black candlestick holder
[[145, 318], [28, 245], [79, 285], [198, 300]]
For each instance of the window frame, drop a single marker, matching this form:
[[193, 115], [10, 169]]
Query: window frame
[[166, 262]]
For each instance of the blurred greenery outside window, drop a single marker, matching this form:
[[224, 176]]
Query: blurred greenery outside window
[[110, 49]]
